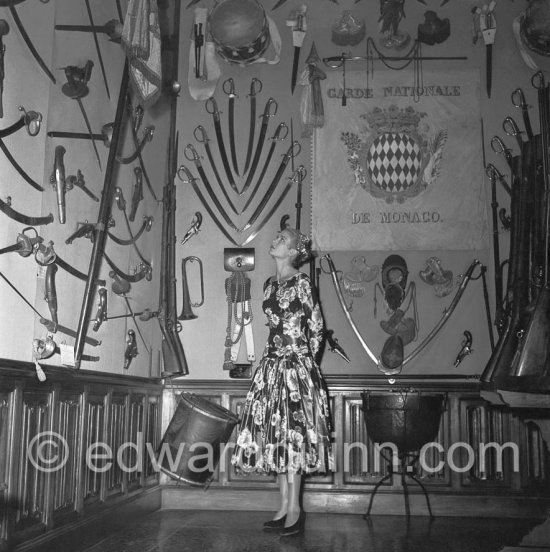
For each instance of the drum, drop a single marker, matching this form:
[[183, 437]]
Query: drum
[[240, 30], [194, 437], [405, 418]]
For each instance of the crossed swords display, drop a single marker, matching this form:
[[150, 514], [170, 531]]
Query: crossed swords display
[[251, 165]]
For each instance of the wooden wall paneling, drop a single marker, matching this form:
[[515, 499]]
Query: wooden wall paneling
[[31, 492], [4, 460], [65, 481], [95, 431]]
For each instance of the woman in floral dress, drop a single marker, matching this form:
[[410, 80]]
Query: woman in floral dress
[[285, 423]]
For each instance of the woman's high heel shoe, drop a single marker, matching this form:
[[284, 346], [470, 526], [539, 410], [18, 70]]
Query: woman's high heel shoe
[[295, 528], [274, 525]]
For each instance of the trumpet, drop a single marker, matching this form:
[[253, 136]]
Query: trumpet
[[186, 311]]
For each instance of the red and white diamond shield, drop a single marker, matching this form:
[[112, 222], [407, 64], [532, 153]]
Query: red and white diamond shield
[[394, 162]]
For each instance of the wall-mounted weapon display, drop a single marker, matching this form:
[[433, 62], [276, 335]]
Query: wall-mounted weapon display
[[32, 121], [465, 348], [76, 88], [186, 308], [238, 261], [394, 358], [521, 358], [29, 43], [193, 229]]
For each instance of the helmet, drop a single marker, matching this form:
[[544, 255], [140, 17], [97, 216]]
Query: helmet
[[535, 27]]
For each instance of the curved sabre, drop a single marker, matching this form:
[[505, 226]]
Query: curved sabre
[[29, 43], [201, 136], [261, 138], [219, 137], [193, 181], [24, 219], [196, 159], [286, 158], [274, 139]]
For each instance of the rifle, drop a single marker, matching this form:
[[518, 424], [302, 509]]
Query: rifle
[[173, 356], [174, 361]]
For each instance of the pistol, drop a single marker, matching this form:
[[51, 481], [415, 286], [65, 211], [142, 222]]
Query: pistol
[[57, 179]]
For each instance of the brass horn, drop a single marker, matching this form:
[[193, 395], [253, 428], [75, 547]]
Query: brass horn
[[186, 312]]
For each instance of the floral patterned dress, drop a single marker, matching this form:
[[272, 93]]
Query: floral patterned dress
[[285, 422]]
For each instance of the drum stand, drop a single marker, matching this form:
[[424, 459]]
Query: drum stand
[[407, 468]]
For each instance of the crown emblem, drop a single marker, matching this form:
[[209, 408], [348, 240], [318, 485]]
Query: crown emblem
[[393, 119]]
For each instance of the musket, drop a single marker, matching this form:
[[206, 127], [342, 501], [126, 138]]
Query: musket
[[4, 30], [103, 219], [499, 306]]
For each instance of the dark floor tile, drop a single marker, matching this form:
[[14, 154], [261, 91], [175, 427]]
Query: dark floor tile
[[221, 531]]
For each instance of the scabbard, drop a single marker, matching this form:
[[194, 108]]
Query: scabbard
[[138, 276], [13, 128], [133, 239], [103, 218], [18, 167], [75, 272], [24, 219]]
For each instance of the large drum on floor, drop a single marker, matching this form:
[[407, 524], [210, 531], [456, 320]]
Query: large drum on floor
[[406, 418], [195, 437], [240, 30]]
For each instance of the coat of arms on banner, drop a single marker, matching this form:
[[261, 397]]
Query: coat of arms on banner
[[392, 158], [399, 168]]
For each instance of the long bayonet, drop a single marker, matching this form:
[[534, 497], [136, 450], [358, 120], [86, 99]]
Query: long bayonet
[[98, 49]]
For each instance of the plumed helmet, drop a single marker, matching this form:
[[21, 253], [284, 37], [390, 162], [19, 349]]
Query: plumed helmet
[[535, 27]]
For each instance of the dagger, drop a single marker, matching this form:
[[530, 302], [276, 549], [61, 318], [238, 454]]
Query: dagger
[[298, 36]]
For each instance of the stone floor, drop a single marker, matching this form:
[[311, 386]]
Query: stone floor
[[222, 531]]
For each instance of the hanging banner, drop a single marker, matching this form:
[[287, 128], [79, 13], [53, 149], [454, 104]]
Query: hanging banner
[[394, 170]]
